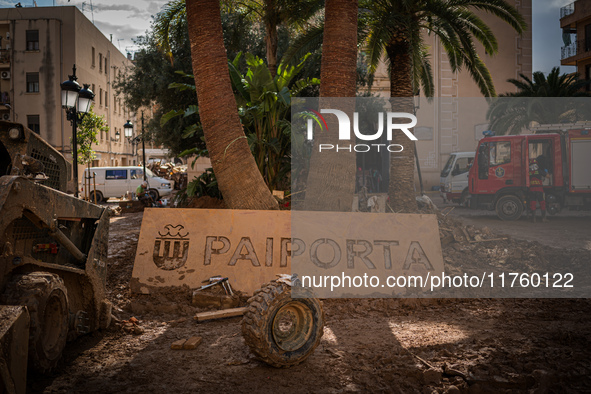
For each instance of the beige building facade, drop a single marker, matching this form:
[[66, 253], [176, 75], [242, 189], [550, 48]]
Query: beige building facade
[[39, 46], [454, 121]]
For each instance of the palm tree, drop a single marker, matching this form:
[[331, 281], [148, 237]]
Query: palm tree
[[270, 13], [513, 112], [169, 24], [395, 28], [555, 85], [331, 180], [265, 104], [238, 177]]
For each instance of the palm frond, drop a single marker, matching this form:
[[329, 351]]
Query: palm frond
[[171, 17], [499, 8], [308, 42]]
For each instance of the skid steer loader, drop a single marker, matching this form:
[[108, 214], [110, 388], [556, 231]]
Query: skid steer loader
[[53, 253]]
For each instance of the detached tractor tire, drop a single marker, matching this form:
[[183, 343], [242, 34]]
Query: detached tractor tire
[[46, 299], [280, 330], [509, 207]]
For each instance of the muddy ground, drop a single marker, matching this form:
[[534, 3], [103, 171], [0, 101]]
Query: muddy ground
[[568, 229], [372, 345]]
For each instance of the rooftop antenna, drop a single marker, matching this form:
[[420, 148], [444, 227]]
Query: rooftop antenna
[[91, 9], [119, 42]]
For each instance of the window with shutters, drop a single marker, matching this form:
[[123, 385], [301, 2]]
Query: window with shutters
[[32, 83], [33, 123], [32, 40]]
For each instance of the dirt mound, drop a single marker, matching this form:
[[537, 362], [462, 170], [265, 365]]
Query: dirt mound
[[471, 250], [124, 233], [369, 345], [206, 202]]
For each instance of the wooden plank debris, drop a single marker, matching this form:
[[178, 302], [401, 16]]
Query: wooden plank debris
[[203, 316], [178, 345], [192, 343], [187, 344]]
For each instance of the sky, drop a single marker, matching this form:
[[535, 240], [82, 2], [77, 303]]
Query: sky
[[128, 19]]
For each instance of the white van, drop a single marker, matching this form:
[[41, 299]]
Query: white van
[[117, 181], [453, 184]]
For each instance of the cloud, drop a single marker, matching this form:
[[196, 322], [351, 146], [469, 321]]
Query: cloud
[[560, 3], [119, 30], [137, 9], [115, 7], [552, 6], [134, 12], [155, 7]]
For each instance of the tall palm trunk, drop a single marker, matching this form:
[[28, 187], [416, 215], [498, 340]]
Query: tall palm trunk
[[271, 38], [402, 175], [238, 177], [338, 71], [331, 180]]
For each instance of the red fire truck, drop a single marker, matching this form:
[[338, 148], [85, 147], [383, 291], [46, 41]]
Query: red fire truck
[[499, 179]]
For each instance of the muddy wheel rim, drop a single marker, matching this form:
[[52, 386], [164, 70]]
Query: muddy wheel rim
[[292, 326], [510, 208]]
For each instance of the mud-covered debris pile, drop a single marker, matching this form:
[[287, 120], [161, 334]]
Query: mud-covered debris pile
[[471, 250], [173, 171]]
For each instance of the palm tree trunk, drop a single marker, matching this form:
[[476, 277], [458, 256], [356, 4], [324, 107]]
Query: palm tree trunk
[[238, 177], [338, 72], [271, 38], [331, 180], [401, 188]]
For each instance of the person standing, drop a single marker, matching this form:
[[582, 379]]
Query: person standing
[[536, 190]]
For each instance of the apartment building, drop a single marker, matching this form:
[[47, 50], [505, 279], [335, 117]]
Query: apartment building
[[575, 22], [38, 48], [455, 120]]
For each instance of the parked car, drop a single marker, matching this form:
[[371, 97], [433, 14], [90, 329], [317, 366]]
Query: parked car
[[118, 181], [454, 177]]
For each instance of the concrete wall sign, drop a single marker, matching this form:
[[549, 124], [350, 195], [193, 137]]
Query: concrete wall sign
[[187, 246]]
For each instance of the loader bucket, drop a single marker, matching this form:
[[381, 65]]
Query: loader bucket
[[14, 342]]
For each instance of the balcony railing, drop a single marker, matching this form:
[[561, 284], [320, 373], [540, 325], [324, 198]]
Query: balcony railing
[[567, 10], [578, 47], [568, 50]]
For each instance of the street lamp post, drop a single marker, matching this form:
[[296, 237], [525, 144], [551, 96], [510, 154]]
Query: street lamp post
[[143, 146], [128, 127], [128, 133], [76, 101]]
